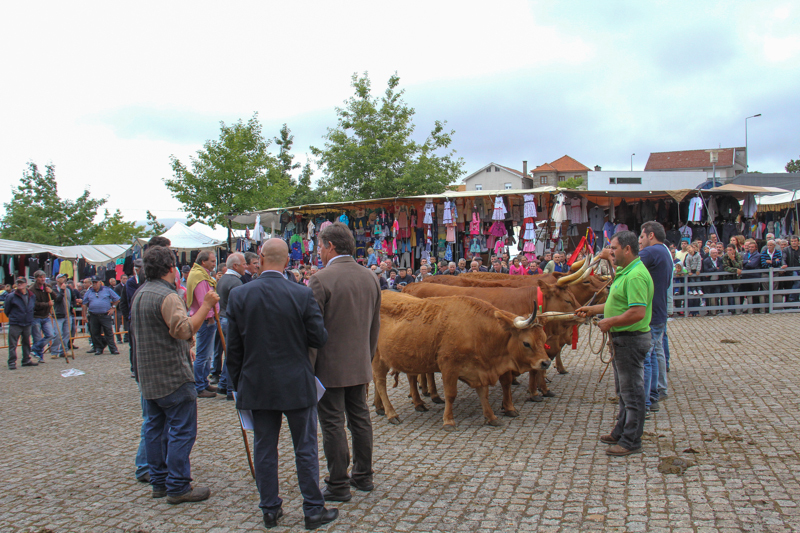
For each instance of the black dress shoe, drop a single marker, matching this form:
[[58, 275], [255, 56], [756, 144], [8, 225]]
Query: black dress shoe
[[331, 497], [12, 367], [271, 519], [317, 520], [30, 363], [364, 485], [98, 353], [115, 353], [91, 351]]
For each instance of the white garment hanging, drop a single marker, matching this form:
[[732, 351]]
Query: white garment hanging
[[696, 209], [530, 206]]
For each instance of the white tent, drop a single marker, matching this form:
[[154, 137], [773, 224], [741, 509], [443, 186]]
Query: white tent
[[219, 233], [182, 237]]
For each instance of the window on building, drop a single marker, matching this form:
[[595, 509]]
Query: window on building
[[612, 181], [577, 176], [478, 187], [562, 178], [488, 169], [508, 186], [542, 180], [497, 169], [629, 181]]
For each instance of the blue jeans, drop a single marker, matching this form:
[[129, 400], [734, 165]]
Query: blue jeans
[[141, 454], [651, 362], [629, 354], [223, 377], [205, 355], [663, 363], [42, 334], [58, 346], [666, 353], [175, 416]]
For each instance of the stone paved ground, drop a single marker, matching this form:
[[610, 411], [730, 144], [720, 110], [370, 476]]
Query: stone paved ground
[[69, 445]]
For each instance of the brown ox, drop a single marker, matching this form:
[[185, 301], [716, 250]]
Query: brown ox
[[463, 338], [518, 301], [583, 290]]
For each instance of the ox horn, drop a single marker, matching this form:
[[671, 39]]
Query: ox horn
[[577, 264], [555, 316], [524, 323], [576, 276]]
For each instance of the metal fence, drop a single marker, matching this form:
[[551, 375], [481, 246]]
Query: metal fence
[[771, 290]]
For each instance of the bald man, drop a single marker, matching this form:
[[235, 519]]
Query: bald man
[[272, 323]]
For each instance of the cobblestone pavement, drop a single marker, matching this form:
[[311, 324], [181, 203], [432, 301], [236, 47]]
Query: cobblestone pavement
[[70, 444]]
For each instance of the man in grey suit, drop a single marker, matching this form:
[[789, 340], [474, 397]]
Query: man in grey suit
[[271, 326], [350, 299]]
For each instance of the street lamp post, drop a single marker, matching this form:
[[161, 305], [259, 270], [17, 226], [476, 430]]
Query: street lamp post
[[632, 162], [746, 151]]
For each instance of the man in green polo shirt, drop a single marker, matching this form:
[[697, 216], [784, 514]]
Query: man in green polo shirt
[[626, 315]]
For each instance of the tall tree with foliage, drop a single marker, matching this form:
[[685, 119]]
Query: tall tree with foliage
[[232, 174], [793, 165], [370, 153], [37, 214], [114, 230], [155, 227]]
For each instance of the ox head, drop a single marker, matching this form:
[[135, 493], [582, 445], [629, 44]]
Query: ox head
[[583, 286], [526, 341]]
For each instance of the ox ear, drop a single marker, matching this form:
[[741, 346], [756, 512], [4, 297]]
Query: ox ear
[[547, 288], [505, 318]]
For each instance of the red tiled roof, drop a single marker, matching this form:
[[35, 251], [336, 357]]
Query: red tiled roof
[[517, 172], [688, 159], [562, 164]]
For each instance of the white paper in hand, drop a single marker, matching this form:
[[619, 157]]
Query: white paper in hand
[[320, 388], [245, 416]]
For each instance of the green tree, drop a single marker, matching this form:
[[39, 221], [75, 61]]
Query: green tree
[[114, 230], [233, 174], [156, 227], [370, 153], [571, 183], [37, 214], [793, 165]]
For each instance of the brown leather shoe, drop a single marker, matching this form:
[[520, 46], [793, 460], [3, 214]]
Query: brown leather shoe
[[608, 439], [207, 394], [195, 494], [618, 451], [211, 388]]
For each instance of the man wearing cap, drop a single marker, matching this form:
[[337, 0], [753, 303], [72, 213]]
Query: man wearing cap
[[18, 308], [99, 301], [42, 330], [64, 302]]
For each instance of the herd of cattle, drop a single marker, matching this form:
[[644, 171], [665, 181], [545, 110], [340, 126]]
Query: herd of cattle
[[480, 328]]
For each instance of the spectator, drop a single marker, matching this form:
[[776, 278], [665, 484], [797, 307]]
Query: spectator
[[19, 308], [693, 263], [713, 264], [533, 268], [681, 254], [392, 281], [497, 267], [422, 262], [250, 267], [99, 302], [474, 267], [231, 280], [751, 260], [791, 259], [42, 329], [517, 269], [462, 265], [771, 258], [732, 264], [198, 284], [423, 273], [768, 237], [451, 270], [479, 259], [403, 279], [64, 303]]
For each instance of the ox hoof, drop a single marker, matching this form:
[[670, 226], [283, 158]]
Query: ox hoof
[[421, 408], [495, 423], [549, 394], [512, 414], [426, 394], [437, 400], [396, 420], [449, 427], [535, 399], [515, 381], [380, 412], [563, 372]]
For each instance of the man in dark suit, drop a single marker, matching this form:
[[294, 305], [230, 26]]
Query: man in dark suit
[[272, 323], [712, 263], [350, 299]]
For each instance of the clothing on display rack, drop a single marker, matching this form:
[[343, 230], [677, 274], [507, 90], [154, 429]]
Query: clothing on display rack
[[500, 211]]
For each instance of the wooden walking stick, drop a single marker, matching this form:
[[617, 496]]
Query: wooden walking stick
[[222, 362], [58, 330]]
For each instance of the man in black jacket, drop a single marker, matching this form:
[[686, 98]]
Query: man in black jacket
[[712, 263], [791, 259], [272, 323], [64, 299]]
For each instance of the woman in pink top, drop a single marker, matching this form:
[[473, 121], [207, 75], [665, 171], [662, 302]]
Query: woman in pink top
[[516, 268]]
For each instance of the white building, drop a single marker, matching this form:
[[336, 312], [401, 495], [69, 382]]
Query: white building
[[624, 180], [494, 177]]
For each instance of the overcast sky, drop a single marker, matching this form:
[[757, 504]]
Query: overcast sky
[[108, 91]]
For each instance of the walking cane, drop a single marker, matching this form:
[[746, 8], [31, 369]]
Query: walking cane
[[222, 362], [58, 330]]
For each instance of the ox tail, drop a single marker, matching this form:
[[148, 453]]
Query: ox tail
[[396, 375]]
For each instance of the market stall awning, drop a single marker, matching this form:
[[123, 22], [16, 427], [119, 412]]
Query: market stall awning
[[98, 254], [746, 189], [778, 201]]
